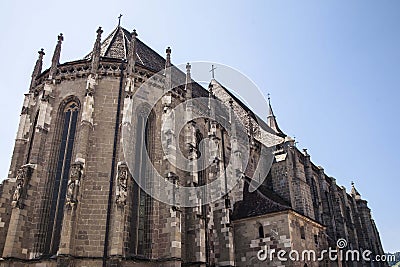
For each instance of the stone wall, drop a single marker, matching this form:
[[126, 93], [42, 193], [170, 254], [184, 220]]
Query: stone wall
[[282, 231]]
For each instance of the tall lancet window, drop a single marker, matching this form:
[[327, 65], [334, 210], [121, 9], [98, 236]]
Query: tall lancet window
[[66, 142], [201, 158], [141, 202], [201, 173]]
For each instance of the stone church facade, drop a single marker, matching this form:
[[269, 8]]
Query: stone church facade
[[70, 200]]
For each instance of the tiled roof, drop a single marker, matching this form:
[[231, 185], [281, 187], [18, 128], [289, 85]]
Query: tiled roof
[[260, 202], [117, 44]]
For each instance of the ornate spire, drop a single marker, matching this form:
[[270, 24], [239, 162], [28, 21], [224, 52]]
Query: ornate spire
[[96, 51], [271, 119], [56, 57], [188, 85], [132, 54], [37, 69]]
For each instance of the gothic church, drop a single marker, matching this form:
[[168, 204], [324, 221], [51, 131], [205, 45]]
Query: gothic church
[[70, 200]]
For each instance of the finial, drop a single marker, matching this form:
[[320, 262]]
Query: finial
[[270, 112], [99, 32], [134, 34], [295, 142], [305, 151], [168, 59], [352, 183], [41, 53], [212, 71], [188, 85], [60, 38], [119, 19]]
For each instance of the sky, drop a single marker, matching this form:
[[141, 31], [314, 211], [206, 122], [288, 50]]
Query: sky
[[332, 69]]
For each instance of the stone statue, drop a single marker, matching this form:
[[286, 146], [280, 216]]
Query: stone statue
[[73, 183], [22, 179], [122, 185]]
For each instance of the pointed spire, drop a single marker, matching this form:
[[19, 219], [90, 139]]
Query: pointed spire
[[96, 51], [354, 193], [56, 57], [188, 85], [271, 119], [132, 54], [37, 69]]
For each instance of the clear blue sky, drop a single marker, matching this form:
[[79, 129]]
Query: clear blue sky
[[332, 68]]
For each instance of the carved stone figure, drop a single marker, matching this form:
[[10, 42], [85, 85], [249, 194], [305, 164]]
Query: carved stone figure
[[122, 184], [73, 183], [22, 179], [91, 84]]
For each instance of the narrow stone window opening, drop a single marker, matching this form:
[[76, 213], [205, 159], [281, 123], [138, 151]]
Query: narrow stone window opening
[[261, 231], [302, 232]]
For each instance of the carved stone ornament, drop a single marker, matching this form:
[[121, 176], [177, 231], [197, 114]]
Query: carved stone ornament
[[24, 174], [75, 176], [122, 184], [91, 84]]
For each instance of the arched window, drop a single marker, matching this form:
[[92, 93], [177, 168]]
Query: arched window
[[261, 231], [68, 123], [141, 202]]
